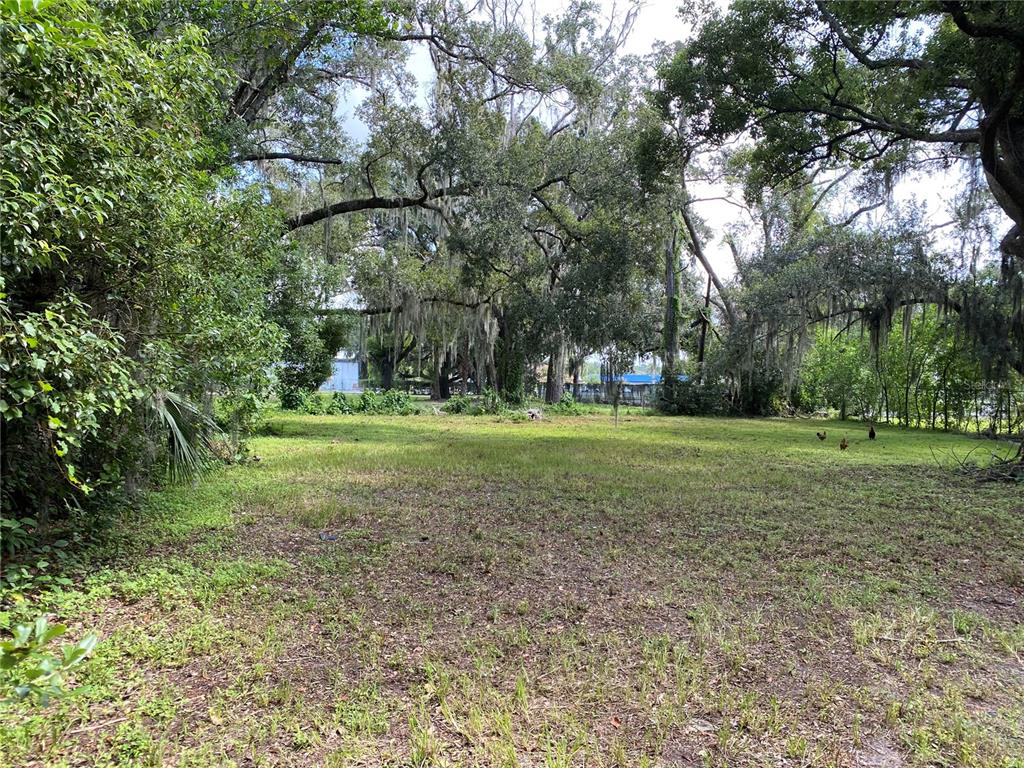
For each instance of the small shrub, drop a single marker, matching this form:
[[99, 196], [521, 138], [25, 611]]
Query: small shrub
[[685, 398], [16, 535], [567, 406], [339, 405], [313, 404], [458, 404], [29, 671], [492, 403], [291, 398], [389, 403]]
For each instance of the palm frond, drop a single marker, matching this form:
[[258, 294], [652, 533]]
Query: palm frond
[[189, 433]]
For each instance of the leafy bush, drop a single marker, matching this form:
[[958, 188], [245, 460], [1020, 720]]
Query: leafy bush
[[29, 671], [339, 405], [391, 403], [458, 404], [313, 404], [291, 398], [303, 401], [567, 406], [492, 403], [686, 398], [130, 270], [64, 377]]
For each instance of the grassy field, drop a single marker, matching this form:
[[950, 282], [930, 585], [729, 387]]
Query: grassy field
[[435, 590]]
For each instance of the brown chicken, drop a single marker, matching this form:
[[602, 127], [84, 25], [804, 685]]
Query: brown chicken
[[821, 435], [843, 444], [871, 432]]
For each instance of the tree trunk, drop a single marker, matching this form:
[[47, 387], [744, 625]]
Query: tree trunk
[[445, 378], [670, 334], [464, 373], [556, 373], [702, 344], [387, 373]]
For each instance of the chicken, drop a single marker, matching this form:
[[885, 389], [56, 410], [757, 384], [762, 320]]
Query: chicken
[[843, 444], [821, 435], [871, 432]]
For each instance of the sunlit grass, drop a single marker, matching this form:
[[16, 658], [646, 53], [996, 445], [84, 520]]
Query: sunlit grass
[[440, 590]]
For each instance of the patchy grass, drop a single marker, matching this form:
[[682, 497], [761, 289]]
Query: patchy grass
[[434, 591]]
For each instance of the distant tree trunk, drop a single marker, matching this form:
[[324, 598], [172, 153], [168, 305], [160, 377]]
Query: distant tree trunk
[[670, 335], [444, 379], [702, 343], [509, 363], [387, 372], [556, 372], [492, 377], [577, 364], [464, 374]]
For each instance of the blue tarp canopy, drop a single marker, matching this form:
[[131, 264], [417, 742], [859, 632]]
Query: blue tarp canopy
[[641, 378]]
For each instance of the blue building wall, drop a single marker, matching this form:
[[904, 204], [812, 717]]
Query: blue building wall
[[344, 377]]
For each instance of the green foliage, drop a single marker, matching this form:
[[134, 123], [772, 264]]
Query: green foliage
[[292, 398], [30, 671], [458, 404], [925, 374], [492, 403], [190, 433], [134, 277], [17, 534], [837, 373], [310, 340], [688, 398], [340, 405], [390, 402], [65, 378], [870, 87], [566, 406]]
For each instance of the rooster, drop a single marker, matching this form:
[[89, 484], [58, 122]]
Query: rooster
[[871, 432], [843, 444], [821, 435]]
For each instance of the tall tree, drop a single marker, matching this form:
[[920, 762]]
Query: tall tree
[[888, 85]]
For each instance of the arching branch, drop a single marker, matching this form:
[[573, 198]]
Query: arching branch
[[372, 203], [296, 157]]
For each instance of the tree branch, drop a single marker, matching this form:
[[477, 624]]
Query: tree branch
[[1013, 35], [296, 157], [698, 251], [860, 54], [375, 202]]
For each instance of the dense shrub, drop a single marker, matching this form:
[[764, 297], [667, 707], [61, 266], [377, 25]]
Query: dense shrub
[[687, 398], [339, 405], [567, 406], [458, 404], [391, 402], [492, 403], [134, 278]]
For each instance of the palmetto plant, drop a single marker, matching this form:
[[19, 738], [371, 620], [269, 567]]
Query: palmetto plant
[[189, 433]]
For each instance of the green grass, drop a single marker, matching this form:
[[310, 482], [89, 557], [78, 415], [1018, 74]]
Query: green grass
[[437, 590]]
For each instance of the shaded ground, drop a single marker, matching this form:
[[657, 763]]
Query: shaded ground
[[461, 591]]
